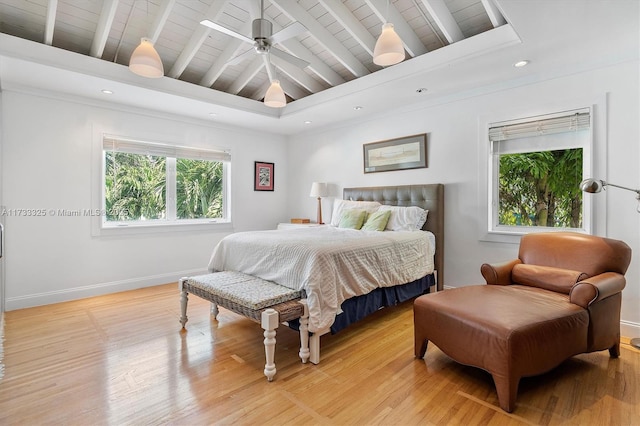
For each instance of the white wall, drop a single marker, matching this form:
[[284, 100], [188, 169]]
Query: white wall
[[47, 164], [335, 156]]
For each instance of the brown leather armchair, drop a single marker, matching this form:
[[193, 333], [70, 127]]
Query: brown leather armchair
[[559, 298]]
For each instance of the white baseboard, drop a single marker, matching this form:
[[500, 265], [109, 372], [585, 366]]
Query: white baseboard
[[629, 329], [1, 344], [47, 298]]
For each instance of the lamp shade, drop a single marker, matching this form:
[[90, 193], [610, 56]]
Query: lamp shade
[[274, 97], [389, 49], [591, 185], [318, 189], [145, 61]]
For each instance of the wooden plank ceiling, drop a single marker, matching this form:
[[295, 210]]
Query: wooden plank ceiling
[[338, 43]]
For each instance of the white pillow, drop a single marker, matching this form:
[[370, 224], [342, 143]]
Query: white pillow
[[340, 205], [405, 218]]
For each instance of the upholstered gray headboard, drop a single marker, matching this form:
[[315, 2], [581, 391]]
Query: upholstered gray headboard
[[427, 196]]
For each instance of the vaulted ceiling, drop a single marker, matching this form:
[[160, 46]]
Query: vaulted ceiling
[[338, 41]]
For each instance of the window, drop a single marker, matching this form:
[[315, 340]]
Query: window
[[536, 166], [149, 184]]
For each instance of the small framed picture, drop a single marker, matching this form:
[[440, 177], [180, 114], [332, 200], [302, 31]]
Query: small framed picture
[[263, 176]]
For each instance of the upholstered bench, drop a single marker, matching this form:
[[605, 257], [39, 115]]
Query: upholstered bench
[[264, 302]]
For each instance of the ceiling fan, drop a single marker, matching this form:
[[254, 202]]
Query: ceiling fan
[[263, 39]]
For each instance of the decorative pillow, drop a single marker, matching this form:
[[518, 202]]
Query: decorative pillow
[[352, 218], [547, 277], [340, 205], [405, 218], [377, 221]]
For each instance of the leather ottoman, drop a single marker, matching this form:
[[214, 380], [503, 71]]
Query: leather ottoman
[[510, 331]]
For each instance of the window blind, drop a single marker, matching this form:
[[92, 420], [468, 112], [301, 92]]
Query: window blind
[[119, 144], [539, 126]]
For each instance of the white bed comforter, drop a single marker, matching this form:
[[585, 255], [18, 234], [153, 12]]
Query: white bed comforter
[[330, 264]]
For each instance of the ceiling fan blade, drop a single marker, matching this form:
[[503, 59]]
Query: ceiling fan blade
[[225, 30], [288, 32], [236, 60], [300, 63]]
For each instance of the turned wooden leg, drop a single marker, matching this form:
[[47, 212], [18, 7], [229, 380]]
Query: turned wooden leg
[[304, 333], [214, 310], [269, 324], [184, 298]]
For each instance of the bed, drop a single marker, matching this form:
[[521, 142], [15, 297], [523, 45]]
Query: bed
[[343, 271]]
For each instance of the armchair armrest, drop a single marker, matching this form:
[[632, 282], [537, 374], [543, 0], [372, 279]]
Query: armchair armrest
[[498, 273], [596, 288]]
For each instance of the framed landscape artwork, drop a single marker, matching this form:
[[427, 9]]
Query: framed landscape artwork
[[263, 176], [409, 152]]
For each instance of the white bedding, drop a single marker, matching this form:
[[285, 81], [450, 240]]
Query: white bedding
[[330, 264]]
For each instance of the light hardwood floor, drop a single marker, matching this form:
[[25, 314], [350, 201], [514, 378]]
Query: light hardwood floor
[[122, 359]]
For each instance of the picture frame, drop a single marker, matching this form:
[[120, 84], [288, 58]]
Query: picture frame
[[409, 152], [263, 176]]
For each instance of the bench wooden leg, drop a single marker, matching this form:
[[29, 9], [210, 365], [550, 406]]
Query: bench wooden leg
[[269, 324], [184, 298], [304, 333], [314, 347], [214, 310]]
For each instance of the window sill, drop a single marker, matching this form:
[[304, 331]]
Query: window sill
[[137, 228], [512, 236]]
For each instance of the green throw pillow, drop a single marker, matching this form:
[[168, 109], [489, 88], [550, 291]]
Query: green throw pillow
[[352, 218], [377, 221]]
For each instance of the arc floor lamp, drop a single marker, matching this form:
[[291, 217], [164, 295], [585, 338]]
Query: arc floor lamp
[[593, 186]]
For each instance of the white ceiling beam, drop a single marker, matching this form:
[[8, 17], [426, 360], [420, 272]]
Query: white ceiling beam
[[259, 93], [297, 75], [411, 41], [323, 70], [496, 17], [351, 24], [161, 19], [195, 42], [104, 26], [50, 23], [444, 19], [247, 75], [229, 52], [295, 12], [292, 90], [269, 67]]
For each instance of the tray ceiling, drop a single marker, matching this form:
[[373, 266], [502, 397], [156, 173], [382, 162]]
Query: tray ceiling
[[338, 43]]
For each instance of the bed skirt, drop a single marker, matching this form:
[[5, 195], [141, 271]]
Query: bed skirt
[[359, 307]]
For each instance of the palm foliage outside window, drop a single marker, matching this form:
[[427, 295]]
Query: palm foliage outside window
[[541, 189], [199, 189], [147, 187], [536, 167]]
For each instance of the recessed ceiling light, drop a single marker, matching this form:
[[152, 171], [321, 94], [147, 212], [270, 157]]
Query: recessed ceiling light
[[357, 108], [212, 114], [421, 90], [107, 92], [307, 122], [520, 64]]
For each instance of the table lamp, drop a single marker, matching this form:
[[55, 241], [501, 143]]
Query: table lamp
[[319, 190]]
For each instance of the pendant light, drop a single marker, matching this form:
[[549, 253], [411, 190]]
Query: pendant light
[[274, 97], [145, 61], [389, 49]]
